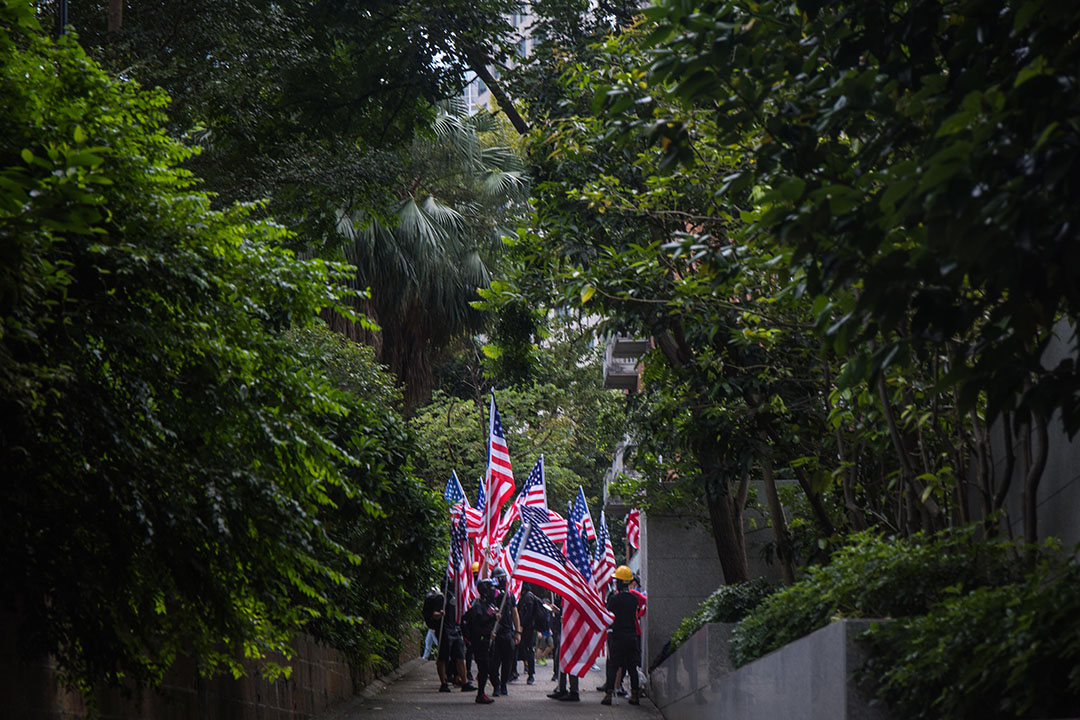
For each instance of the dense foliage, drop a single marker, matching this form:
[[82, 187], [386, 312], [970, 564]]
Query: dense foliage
[[1007, 651], [304, 104], [874, 577], [179, 477], [384, 515]]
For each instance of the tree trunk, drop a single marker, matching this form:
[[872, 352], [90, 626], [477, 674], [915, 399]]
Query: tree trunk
[[927, 508], [728, 534], [479, 62], [115, 15], [1029, 494], [779, 523]]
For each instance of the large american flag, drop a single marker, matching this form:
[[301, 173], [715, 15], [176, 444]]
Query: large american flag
[[542, 563], [581, 643], [533, 494], [633, 527], [603, 565], [499, 476], [461, 564], [580, 515]]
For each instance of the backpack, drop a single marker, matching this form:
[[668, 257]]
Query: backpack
[[542, 619], [433, 603]]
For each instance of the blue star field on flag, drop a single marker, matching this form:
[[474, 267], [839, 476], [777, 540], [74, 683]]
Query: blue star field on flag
[[454, 493], [601, 539], [576, 552], [579, 514], [536, 516], [481, 498]]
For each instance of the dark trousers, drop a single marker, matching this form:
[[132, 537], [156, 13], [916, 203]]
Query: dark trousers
[[573, 682], [468, 659], [556, 637], [622, 653], [502, 660], [482, 664], [527, 652]]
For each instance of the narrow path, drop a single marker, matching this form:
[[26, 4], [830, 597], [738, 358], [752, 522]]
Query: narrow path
[[416, 695]]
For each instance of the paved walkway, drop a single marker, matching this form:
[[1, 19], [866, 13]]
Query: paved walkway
[[415, 694]]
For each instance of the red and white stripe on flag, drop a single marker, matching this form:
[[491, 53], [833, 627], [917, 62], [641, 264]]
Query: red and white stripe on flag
[[541, 562], [581, 644], [633, 528], [499, 476]]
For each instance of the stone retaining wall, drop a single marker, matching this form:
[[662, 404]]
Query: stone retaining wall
[[809, 679]]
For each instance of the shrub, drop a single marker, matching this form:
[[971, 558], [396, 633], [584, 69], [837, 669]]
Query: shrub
[[873, 577], [727, 604], [1011, 651]]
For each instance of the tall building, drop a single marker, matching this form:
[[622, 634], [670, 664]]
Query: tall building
[[476, 93]]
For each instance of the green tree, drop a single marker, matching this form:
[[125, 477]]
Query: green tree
[[460, 189], [169, 457], [911, 158], [299, 104]]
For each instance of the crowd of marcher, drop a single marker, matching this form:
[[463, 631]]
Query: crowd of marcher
[[498, 631]]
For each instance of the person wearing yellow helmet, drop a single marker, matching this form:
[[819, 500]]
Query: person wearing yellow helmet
[[622, 640], [468, 645]]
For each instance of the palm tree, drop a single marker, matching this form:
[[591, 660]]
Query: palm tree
[[462, 188]]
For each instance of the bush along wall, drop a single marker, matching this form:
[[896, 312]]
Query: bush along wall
[[1008, 651], [875, 577]]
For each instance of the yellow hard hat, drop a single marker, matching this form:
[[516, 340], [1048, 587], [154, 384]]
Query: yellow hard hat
[[476, 566], [624, 573]]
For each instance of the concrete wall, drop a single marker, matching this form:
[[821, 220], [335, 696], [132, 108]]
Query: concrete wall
[[680, 568], [809, 679], [321, 677], [1058, 496]]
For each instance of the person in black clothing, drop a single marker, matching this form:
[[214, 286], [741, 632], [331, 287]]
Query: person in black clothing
[[622, 640], [529, 611], [479, 623], [441, 610], [507, 632]]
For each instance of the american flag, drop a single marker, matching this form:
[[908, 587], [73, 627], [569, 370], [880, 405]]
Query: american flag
[[499, 476], [551, 522], [461, 564], [533, 494], [580, 515], [455, 496], [454, 493], [633, 527], [541, 562], [581, 643], [603, 565]]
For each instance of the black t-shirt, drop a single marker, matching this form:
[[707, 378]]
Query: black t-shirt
[[432, 604], [528, 609], [624, 605]]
